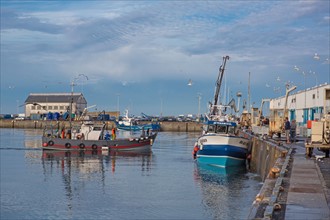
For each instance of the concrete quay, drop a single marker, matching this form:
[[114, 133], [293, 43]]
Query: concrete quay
[[308, 192], [299, 190]]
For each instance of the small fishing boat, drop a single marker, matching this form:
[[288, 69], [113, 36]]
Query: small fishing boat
[[221, 143], [128, 123], [91, 136]]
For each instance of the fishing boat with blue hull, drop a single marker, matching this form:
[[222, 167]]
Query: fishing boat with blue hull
[[128, 123], [221, 144], [135, 127]]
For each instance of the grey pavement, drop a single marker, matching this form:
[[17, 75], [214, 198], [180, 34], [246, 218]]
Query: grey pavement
[[308, 194]]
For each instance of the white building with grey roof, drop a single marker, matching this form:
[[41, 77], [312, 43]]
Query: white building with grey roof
[[43, 103]]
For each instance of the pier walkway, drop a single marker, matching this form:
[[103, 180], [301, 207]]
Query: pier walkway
[[308, 193]]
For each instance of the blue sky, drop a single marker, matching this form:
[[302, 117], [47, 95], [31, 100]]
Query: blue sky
[[141, 54]]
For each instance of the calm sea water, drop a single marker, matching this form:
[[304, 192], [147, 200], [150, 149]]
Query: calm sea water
[[165, 184]]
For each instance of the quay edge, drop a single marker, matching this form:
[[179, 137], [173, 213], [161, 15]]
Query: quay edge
[[295, 186]]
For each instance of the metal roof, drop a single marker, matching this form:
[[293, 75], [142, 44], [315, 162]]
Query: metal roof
[[53, 97]]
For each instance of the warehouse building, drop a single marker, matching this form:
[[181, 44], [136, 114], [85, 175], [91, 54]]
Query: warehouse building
[[305, 105], [40, 105]]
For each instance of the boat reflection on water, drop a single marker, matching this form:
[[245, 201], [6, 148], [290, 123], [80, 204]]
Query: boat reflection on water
[[221, 188], [95, 161], [207, 169], [142, 158], [81, 170]]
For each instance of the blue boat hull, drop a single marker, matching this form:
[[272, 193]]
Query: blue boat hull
[[223, 153], [220, 161], [153, 127]]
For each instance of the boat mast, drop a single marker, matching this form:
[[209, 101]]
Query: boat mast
[[71, 104], [249, 94], [218, 83]]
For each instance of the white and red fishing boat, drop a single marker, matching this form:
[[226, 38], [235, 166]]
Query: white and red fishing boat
[[92, 136]]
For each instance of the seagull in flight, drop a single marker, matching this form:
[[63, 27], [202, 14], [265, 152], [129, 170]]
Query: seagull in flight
[[316, 56], [190, 82]]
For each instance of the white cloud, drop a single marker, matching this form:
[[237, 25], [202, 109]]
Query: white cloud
[[130, 43]]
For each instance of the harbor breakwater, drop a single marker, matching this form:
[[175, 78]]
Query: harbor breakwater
[[40, 124]]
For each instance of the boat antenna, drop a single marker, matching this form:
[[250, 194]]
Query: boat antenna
[[218, 83]]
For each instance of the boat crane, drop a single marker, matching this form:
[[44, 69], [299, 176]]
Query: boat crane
[[260, 110], [214, 108], [276, 122], [83, 114]]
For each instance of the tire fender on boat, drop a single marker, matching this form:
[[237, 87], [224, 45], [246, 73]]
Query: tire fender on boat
[[44, 144], [50, 143], [67, 145], [82, 146], [94, 146]]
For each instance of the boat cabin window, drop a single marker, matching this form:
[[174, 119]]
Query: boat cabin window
[[231, 130], [221, 129], [211, 128]]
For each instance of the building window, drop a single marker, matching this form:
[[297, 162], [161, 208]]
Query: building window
[[61, 107], [38, 107], [33, 107], [313, 96], [50, 107], [327, 94], [55, 107]]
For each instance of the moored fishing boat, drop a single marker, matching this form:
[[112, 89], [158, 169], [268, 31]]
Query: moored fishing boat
[[221, 143], [91, 136], [128, 123]]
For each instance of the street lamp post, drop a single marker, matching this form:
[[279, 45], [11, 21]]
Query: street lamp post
[[199, 104], [82, 84], [239, 95], [118, 95], [304, 74]]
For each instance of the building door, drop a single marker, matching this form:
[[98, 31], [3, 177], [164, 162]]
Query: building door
[[312, 113], [305, 116], [292, 114]]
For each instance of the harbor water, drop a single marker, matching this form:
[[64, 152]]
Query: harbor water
[[164, 184]]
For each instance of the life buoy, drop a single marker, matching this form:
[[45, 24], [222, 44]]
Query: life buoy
[[67, 145], [50, 143], [196, 148], [82, 146], [94, 146]]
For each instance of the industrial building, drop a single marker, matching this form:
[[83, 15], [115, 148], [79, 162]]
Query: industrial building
[[305, 105], [37, 105]]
